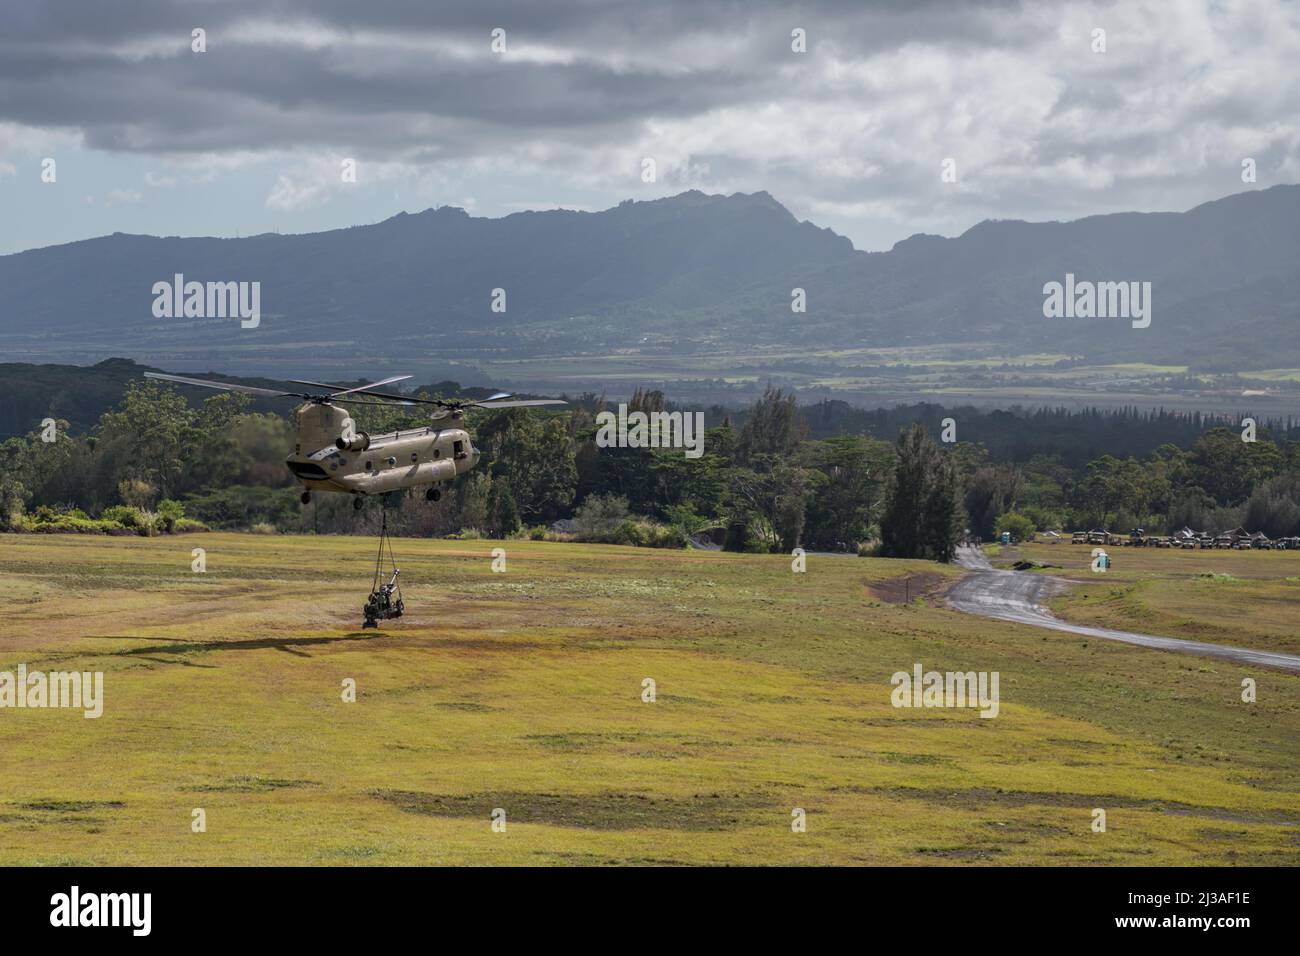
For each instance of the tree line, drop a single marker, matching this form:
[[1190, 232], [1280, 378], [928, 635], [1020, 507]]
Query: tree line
[[154, 462]]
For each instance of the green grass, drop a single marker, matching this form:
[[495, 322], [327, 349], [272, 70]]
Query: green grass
[[522, 691]]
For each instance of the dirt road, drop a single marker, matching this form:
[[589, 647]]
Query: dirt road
[[1020, 595]]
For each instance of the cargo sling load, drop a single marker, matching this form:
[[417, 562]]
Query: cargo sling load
[[330, 455]]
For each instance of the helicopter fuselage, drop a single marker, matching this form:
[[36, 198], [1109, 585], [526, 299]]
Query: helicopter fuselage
[[374, 464]]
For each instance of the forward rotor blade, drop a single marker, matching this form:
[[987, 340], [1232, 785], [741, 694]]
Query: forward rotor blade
[[298, 381], [524, 403], [362, 401], [451, 404], [364, 389], [404, 399], [227, 386]]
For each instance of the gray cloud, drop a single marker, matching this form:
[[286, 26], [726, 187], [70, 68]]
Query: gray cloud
[[850, 134]]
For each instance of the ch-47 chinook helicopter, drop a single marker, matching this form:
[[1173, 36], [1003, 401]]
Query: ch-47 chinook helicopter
[[331, 455]]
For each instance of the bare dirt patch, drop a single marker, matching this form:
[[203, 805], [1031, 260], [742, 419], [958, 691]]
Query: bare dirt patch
[[597, 811], [908, 587]]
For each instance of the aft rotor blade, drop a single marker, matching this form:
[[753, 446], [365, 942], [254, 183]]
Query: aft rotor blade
[[525, 403], [228, 386]]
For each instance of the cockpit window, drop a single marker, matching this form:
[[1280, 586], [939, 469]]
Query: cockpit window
[[306, 469]]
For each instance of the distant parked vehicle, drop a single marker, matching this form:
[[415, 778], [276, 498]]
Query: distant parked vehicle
[[1185, 539], [1233, 539]]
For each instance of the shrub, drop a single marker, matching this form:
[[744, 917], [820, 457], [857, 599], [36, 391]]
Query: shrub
[[135, 492], [644, 533], [242, 506], [667, 536], [169, 512], [128, 516], [1043, 519], [70, 524], [599, 516], [685, 517], [627, 532], [47, 520], [12, 519], [1020, 527], [741, 537]]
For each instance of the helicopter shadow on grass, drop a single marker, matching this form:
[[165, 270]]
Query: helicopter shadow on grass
[[181, 648]]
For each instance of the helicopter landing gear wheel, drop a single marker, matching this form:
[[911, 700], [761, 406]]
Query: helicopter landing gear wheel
[[305, 497], [433, 494], [356, 503]]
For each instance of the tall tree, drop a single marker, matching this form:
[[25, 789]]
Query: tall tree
[[536, 453], [990, 491], [923, 514], [154, 422], [772, 428], [944, 516], [1229, 468], [847, 487]]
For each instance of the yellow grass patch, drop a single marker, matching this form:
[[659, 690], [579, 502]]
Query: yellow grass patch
[[523, 691]]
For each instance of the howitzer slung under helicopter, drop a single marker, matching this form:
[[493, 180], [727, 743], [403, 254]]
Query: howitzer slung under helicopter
[[330, 455], [385, 601]]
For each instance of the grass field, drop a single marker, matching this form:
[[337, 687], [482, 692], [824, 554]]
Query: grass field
[[523, 690]]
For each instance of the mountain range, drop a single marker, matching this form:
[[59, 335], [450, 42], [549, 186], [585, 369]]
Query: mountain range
[[687, 273]]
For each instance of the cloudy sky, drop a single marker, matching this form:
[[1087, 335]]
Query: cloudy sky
[[250, 136]]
